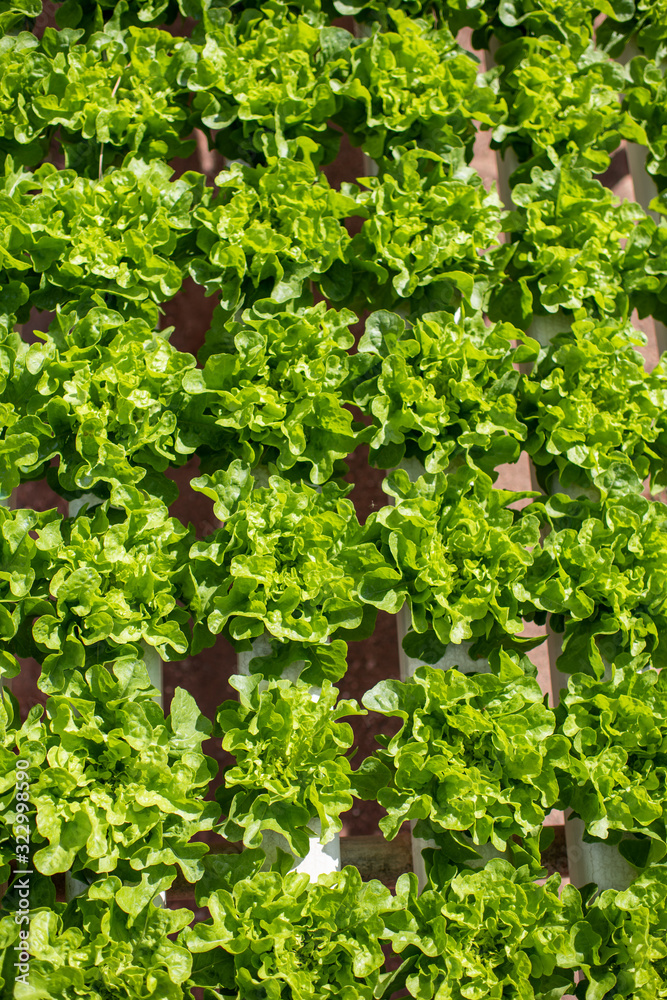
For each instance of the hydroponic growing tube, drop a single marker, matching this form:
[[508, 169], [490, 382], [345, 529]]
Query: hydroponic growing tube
[[599, 863], [507, 163], [455, 656], [73, 886], [602, 864], [643, 185], [322, 859]]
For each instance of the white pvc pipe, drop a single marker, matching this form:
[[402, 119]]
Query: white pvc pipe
[[508, 162], [321, 859], [643, 184], [153, 663], [74, 506], [599, 863], [456, 655], [544, 329], [73, 887]]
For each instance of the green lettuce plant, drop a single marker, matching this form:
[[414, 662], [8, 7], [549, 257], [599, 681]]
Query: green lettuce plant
[[104, 397], [593, 415], [457, 553], [601, 573], [273, 390], [288, 560], [570, 21], [438, 390], [568, 248], [75, 240], [269, 230], [646, 102], [412, 83], [476, 754], [103, 109], [490, 933], [21, 564], [284, 936], [645, 265], [91, 947], [123, 790], [616, 785], [107, 578], [627, 941], [645, 28], [264, 80], [561, 102], [429, 220], [291, 766]]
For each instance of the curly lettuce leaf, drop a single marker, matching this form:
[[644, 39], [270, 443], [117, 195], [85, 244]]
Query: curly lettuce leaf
[[476, 753], [291, 765]]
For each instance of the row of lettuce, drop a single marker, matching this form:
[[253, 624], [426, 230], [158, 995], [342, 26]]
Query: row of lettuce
[[479, 759], [256, 81], [273, 933], [621, 20], [104, 402], [297, 564], [116, 796], [430, 237]]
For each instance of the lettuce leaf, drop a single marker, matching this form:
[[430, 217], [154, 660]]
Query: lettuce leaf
[[123, 789], [593, 415], [288, 560], [618, 730], [91, 946], [627, 953], [485, 934], [601, 574], [439, 390], [476, 753], [272, 391], [456, 551], [104, 396], [291, 764], [429, 221], [272, 933], [561, 101]]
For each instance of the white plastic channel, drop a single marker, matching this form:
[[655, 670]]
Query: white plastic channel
[[544, 329], [508, 162], [599, 863], [322, 859], [643, 184], [455, 656], [153, 663], [370, 166], [6, 683]]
